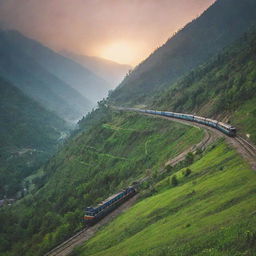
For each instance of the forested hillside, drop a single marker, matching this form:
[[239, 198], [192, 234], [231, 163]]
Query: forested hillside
[[29, 135], [22, 63], [224, 88], [112, 150], [221, 24]]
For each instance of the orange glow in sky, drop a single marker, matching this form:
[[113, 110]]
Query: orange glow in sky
[[126, 31], [122, 51]]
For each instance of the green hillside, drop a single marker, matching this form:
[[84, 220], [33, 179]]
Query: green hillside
[[216, 28], [210, 212], [29, 135], [224, 88], [104, 157]]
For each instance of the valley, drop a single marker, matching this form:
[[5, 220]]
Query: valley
[[174, 128]]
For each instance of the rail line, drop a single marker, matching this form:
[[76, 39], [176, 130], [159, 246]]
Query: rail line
[[66, 247], [68, 243], [251, 149]]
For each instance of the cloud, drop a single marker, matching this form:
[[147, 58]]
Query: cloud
[[87, 26]]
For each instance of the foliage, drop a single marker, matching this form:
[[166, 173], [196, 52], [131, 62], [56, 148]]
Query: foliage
[[104, 156], [174, 181], [187, 172], [219, 26], [29, 135], [209, 213], [224, 88]]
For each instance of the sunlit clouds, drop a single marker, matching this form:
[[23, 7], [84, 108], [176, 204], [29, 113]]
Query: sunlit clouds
[[125, 31]]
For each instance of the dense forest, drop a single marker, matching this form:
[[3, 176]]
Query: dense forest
[[29, 135], [223, 88]]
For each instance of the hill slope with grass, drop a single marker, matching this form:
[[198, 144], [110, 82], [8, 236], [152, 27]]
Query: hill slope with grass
[[216, 28], [29, 135], [224, 88], [207, 212], [105, 156]]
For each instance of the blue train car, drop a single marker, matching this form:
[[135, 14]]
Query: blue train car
[[94, 214], [225, 128]]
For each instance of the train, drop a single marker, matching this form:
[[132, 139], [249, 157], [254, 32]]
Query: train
[[94, 214], [224, 128]]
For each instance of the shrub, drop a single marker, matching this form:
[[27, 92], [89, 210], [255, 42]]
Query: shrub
[[168, 168], [189, 158], [174, 181], [187, 172]]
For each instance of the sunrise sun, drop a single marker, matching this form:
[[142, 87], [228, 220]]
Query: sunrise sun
[[121, 52]]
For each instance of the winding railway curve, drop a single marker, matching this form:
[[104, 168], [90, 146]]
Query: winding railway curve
[[243, 147]]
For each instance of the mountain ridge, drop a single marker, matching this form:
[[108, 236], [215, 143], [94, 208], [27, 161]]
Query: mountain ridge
[[109, 70], [199, 40]]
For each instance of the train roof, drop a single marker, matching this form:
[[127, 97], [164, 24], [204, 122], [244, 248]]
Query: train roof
[[227, 126], [211, 120], [110, 198], [200, 117]]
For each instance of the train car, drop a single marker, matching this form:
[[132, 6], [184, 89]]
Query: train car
[[211, 122], [170, 114], [94, 214], [227, 129]]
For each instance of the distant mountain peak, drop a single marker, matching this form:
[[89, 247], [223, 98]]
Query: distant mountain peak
[[109, 70]]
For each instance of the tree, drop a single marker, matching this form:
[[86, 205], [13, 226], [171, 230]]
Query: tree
[[174, 181]]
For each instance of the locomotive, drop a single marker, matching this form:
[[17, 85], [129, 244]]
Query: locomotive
[[94, 214], [225, 128]]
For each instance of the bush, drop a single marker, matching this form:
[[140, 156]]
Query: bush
[[174, 181], [189, 158], [168, 168], [187, 172]]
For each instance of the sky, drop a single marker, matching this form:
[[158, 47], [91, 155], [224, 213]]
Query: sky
[[125, 31]]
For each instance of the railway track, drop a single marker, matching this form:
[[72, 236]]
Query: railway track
[[250, 149], [67, 244], [247, 150], [85, 234]]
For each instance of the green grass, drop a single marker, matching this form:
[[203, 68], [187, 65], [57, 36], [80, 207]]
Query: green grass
[[245, 119], [94, 164], [212, 212]]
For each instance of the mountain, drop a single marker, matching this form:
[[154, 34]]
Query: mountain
[[220, 25], [110, 71], [224, 88], [207, 211], [47, 76], [29, 135]]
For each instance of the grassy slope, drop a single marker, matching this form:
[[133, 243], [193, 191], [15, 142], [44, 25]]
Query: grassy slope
[[211, 212], [224, 88], [95, 164]]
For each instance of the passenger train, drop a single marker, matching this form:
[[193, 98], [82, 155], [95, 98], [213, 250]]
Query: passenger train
[[225, 128], [94, 214]]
